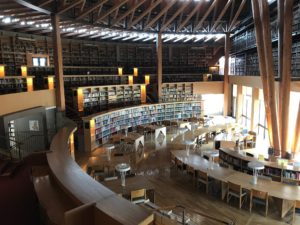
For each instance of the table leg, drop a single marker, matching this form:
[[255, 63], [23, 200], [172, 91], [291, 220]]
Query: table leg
[[123, 175]]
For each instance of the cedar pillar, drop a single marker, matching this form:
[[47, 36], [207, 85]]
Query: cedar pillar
[[262, 66], [58, 64], [159, 65], [226, 73], [285, 84], [296, 141]]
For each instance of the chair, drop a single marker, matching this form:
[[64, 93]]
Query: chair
[[138, 196], [259, 197], [190, 171], [179, 164], [235, 190], [203, 178], [251, 139]]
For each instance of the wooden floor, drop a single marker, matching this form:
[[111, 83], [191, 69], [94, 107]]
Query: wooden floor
[[174, 187]]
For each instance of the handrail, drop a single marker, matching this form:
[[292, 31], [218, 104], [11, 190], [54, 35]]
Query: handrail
[[231, 222]]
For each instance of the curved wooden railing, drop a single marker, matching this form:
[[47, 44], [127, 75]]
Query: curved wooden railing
[[109, 208]]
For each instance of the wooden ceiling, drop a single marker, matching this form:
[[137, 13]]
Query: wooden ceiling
[[152, 16]]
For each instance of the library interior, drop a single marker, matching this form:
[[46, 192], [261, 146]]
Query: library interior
[[149, 112]]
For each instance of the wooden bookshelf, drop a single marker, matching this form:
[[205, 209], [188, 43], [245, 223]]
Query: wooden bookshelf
[[288, 173], [14, 84], [98, 98], [177, 92], [99, 127]]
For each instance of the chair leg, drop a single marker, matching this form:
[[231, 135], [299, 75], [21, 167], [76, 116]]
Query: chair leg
[[240, 202], [250, 206], [227, 197]]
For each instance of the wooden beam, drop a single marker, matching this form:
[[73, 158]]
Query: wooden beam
[[115, 7], [44, 3], [68, 7], [226, 74], [262, 66], [221, 15], [33, 7], [296, 139], [162, 12], [159, 65], [265, 21], [151, 7], [91, 9], [58, 64], [181, 9], [233, 22], [285, 84], [135, 6], [191, 14], [205, 15]]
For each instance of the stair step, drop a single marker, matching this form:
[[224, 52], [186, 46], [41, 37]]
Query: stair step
[[10, 170], [3, 166]]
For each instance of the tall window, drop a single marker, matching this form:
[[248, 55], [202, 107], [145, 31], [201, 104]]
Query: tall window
[[247, 105], [39, 61], [234, 99], [262, 127]]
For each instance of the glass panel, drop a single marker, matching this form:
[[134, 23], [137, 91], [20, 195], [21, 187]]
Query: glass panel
[[35, 61], [43, 61]]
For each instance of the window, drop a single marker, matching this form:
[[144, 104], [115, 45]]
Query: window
[[234, 99], [210, 106], [262, 127], [39, 61], [247, 106]]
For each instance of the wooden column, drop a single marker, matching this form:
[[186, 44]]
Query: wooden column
[[226, 73], [285, 84], [265, 20], [58, 64], [254, 108], [296, 141], [239, 103], [159, 65], [262, 66]]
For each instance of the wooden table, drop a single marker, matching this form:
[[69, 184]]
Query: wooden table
[[285, 195], [132, 184], [132, 137]]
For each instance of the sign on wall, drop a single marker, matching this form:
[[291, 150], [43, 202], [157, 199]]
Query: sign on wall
[[34, 125]]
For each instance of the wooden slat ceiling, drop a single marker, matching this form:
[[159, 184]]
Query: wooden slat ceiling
[[152, 16]]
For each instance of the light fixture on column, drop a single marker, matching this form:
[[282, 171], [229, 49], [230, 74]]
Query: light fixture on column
[[2, 71], [135, 71], [120, 71], [24, 71], [147, 79], [130, 80], [50, 82], [29, 81], [143, 93]]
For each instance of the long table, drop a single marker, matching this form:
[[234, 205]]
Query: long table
[[286, 195]]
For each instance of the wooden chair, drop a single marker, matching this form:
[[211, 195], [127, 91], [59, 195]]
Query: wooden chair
[[251, 139], [259, 197], [138, 196], [190, 171], [235, 190], [179, 164], [203, 178]]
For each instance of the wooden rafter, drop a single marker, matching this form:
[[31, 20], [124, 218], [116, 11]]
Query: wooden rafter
[[162, 12], [221, 15], [148, 10], [44, 3], [233, 22], [91, 9], [33, 7], [196, 9], [180, 10], [134, 7], [68, 7], [82, 6], [115, 7], [231, 11], [205, 15]]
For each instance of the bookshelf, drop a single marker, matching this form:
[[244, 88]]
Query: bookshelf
[[92, 99], [177, 92], [99, 127], [14, 84], [287, 173]]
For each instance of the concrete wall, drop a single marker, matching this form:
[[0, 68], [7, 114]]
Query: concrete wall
[[210, 87]]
